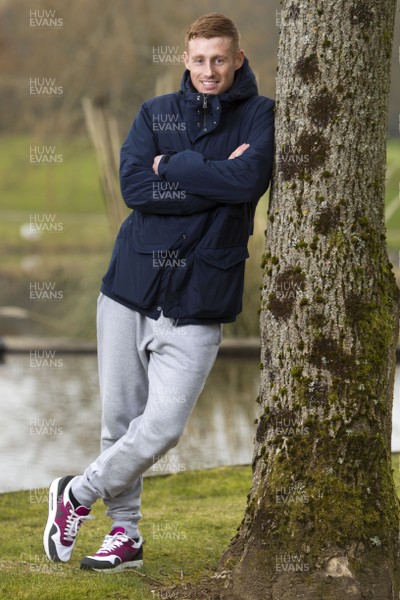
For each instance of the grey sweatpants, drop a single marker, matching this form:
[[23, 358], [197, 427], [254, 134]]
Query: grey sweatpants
[[151, 375]]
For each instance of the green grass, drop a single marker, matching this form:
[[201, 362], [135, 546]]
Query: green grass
[[201, 509], [72, 186]]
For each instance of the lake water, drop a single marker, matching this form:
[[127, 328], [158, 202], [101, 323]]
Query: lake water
[[51, 420]]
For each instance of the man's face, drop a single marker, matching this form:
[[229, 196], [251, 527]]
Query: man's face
[[212, 64]]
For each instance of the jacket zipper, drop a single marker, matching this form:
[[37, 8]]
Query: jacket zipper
[[204, 110]]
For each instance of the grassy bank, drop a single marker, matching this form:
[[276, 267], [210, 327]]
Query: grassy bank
[[188, 521]]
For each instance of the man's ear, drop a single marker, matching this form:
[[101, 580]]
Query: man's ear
[[186, 59], [239, 60]]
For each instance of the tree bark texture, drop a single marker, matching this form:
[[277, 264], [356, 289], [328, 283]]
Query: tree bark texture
[[322, 518]]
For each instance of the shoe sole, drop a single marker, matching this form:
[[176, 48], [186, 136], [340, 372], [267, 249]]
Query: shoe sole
[[54, 491], [135, 564]]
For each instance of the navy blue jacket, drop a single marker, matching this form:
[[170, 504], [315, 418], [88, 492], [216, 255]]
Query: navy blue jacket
[[183, 248]]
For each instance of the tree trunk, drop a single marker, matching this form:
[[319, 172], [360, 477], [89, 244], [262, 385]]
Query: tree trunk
[[322, 517], [322, 521]]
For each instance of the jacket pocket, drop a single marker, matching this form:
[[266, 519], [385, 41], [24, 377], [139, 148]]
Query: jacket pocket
[[218, 275], [229, 230], [133, 275]]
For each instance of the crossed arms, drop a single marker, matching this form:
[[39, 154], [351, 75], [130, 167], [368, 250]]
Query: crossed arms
[[242, 177], [238, 152]]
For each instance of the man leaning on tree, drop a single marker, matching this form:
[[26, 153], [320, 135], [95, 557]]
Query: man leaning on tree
[[175, 276]]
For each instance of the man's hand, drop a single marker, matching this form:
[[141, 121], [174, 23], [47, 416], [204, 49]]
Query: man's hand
[[156, 163], [239, 151]]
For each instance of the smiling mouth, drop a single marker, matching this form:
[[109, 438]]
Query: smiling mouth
[[209, 83]]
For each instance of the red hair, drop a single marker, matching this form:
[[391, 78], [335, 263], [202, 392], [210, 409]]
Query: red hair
[[213, 25]]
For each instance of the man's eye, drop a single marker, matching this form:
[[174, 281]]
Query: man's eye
[[198, 61], [219, 61]]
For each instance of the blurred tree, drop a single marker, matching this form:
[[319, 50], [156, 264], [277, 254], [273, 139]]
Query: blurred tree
[[106, 51]]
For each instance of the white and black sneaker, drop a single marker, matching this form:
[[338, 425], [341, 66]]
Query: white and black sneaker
[[118, 552], [64, 520]]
